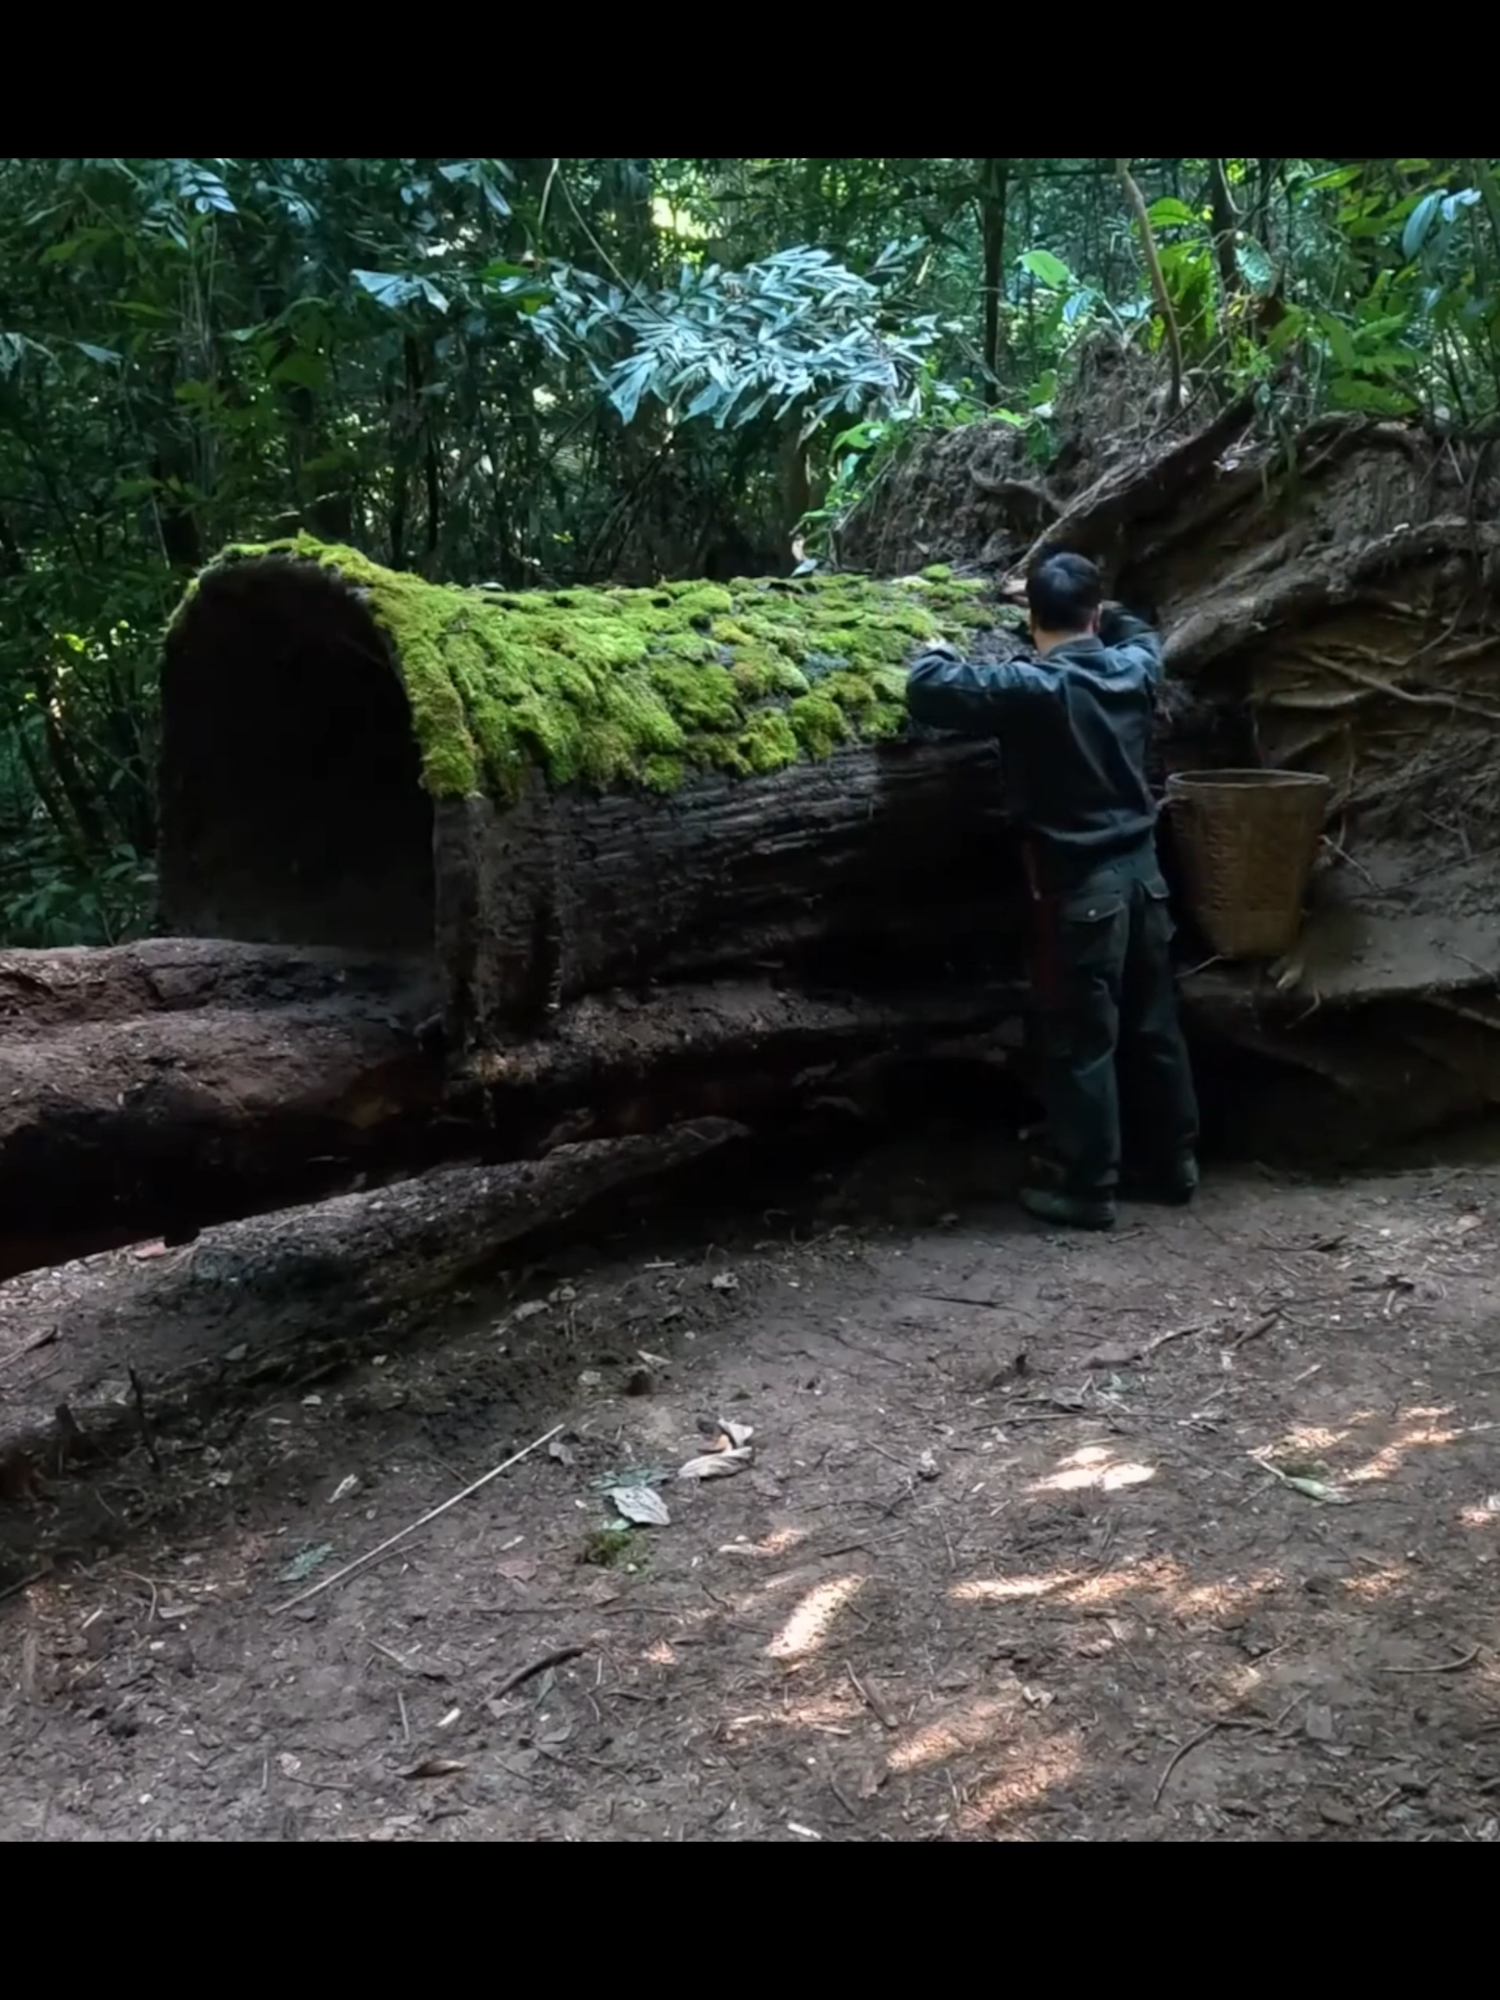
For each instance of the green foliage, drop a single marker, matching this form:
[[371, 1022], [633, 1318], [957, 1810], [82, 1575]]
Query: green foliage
[[552, 373]]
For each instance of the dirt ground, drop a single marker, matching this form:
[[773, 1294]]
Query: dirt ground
[[1009, 1561]]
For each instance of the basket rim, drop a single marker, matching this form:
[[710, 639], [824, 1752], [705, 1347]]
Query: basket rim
[[1249, 778]]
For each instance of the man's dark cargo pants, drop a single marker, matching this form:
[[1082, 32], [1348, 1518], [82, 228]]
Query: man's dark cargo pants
[[1105, 1025]]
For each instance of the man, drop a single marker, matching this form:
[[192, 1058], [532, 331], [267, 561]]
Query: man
[[1074, 725]]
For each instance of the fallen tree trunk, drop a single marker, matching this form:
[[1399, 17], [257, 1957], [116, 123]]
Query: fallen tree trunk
[[557, 793], [116, 1122], [99, 1355], [169, 1083]]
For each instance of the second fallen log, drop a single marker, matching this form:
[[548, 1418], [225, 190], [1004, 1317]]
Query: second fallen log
[[169, 1084], [163, 1084]]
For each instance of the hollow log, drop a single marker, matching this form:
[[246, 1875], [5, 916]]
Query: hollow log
[[85, 1348], [558, 793]]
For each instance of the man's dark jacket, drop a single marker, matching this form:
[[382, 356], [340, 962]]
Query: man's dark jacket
[[1073, 728]]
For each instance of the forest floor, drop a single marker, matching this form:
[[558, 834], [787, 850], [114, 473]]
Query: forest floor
[[1009, 1561]]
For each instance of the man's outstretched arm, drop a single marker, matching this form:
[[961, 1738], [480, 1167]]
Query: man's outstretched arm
[[946, 691], [1133, 638]]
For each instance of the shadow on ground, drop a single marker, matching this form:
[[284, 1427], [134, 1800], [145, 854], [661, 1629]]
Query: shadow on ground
[[1191, 1532]]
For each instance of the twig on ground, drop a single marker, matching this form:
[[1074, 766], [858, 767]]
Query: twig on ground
[[139, 1396], [953, 1299], [1261, 1326], [1182, 1750], [23, 1583], [558, 1657], [1485, 971], [1447, 1667], [349, 1569], [1173, 1333], [47, 1339], [841, 1795], [1257, 1725], [1350, 862], [877, 1708]]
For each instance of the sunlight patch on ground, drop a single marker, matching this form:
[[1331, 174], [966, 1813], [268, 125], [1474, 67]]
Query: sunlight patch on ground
[[1074, 1586], [1040, 1770], [1420, 1427], [971, 1726], [1094, 1468], [809, 1625], [660, 1655], [1308, 1438], [831, 1713], [1484, 1514], [1373, 1584], [1229, 1594], [778, 1543], [1012, 1589]]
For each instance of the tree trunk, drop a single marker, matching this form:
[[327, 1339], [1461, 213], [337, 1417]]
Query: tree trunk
[[556, 794], [994, 193], [166, 1086], [84, 1350]]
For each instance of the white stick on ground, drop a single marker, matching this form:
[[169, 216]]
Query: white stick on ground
[[432, 1514]]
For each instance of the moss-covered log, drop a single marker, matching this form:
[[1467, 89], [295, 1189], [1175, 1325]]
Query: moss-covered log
[[559, 792]]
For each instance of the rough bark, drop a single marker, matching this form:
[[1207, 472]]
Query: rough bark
[[876, 855], [559, 793], [287, 1298], [166, 1086]]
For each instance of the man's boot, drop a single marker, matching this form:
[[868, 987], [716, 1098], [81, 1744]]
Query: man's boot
[[1045, 1198], [1173, 1186]]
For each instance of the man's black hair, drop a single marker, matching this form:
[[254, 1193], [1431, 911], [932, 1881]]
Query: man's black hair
[[1063, 592]]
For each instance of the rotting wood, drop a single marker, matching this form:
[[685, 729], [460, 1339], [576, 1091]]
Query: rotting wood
[[287, 1297]]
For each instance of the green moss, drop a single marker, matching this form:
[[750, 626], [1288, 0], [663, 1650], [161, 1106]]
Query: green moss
[[624, 687]]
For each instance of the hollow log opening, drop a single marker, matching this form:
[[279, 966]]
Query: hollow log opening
[[292, 810]]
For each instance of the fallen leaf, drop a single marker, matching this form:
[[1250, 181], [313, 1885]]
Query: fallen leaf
[[302, 1566], [726, 1281], [517, 1569], [435, 1767], [561, 1451], [529, 1309], [641, 1505], [717, 1464], [737, 1434], [927, 1466], [1113, 1357]]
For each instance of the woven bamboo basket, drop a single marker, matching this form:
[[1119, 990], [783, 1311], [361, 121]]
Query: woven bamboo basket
[[1248, 841]]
